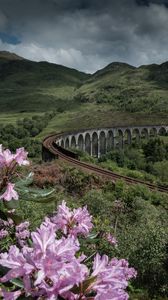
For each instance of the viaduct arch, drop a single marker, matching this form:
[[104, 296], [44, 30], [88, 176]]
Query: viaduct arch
[[99, 141]]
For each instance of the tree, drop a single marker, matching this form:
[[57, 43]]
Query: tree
[[161, 169], [154, 150]]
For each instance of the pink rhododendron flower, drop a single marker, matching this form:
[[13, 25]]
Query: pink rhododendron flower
[[50, 267], [112, 294], [3, 233], [73, 222], [22, 226], [5, 227], [53, 267], [22, 233], [10, 193], [10, 222], [10, 295], [21, 157], [111, 277], [43, 238], [111, 239], [6, 158], [15, 261]]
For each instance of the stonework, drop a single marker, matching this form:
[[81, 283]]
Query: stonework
[[98, 141]]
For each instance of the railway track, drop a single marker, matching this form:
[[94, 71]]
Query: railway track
[[50, 145]]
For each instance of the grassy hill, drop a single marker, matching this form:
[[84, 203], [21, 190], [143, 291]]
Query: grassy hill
[[35, 86], [115, 90], [128, 88], [6, 56]]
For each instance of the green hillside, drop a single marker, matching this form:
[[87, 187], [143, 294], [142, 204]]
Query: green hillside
[[128, 88], [32, 86], [27, 86]]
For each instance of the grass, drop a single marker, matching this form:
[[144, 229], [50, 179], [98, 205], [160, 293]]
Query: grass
[[11, 118], [37, 99], [137, 174], [127, 88], [118, 95], [91, 115], [27, 86], [88, 115]]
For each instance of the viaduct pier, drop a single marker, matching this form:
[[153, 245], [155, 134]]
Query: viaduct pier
[[97, 142]]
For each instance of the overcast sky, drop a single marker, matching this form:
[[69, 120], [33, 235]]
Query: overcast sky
[[86, 34]]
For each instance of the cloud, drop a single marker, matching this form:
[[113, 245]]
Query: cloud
[[3, 21], [88, 34], [67, 57]]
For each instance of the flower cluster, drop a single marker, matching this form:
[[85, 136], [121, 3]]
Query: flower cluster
[[22, 233], [111, 239], [48, 262], [5, 227], [19, 232], [111, 278], [8, 163], [49, 268], [10, 193], [7, 158], [72, 222], [52, 268]]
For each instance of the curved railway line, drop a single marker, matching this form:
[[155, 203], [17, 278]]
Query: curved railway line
[[49, 145]]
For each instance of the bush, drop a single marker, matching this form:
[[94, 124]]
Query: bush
[[155, 150], [76, 181], [145, 246], [161, 170]]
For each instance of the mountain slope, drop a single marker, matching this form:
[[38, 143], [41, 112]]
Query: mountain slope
[[128, 88], [39, 86], [29, 86], [5, 55]]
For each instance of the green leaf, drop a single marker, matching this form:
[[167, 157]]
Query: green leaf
[[85, 284], [26, 181], [13, 204], [17, 219], [37, 195], [18, 282], [92, 235]]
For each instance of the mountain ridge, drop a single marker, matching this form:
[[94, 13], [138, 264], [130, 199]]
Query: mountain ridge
[[26, 85], [10, 56]]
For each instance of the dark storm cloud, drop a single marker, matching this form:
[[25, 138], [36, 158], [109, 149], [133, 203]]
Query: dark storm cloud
[[148, 2], [86, 34]]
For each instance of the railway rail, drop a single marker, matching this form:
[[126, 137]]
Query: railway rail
[[52, 150]]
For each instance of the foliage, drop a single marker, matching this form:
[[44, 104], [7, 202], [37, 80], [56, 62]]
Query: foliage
[[155, 150], [24, 132], [147, 161], [161, 170], [127, 88], [32, 264], [12, 185], [30, 86], [145, 246], [140, 225], [76, 181], [135, 215]]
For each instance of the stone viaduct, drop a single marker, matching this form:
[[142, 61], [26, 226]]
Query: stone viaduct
[[99, 141]]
